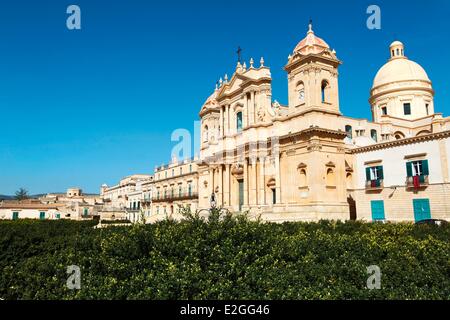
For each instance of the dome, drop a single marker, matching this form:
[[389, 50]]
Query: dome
[[399, 68], [311, 44]]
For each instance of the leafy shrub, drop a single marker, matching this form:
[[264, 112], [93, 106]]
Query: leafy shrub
[[223, 257]]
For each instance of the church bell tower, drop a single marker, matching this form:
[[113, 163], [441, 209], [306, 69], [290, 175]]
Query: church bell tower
[[313, 76]]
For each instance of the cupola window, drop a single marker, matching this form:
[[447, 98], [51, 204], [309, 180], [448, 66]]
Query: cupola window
[[407, 109]]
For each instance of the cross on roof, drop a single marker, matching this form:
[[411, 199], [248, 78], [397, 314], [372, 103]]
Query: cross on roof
[[239, 51]]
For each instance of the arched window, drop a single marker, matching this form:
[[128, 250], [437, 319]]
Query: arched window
[[325, 91], [205, 134], [301, 91], [302, 178], [399, 135], [373, 135], [348, 180], [330, 177], [348, 130], [239, 121]]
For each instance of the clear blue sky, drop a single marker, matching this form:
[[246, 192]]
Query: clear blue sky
[[82, 108]]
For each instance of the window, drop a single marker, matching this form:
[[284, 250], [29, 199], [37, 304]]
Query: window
[[373, 135], [138, 205], [374, 175], [239, 121], [157, 194], [407, 108], [42, 215], [86, 211], [190, 168], [384, 111], [324, 91], [15, 215], [157, 210], [205, 134], [179, 190], [58, 216], [377, 207], [181, 171], [301, 91], [417, 168], [349, 180], [302, 178], [189, 189], [330, 177], [348, 130], [165, 174], [427, 109]]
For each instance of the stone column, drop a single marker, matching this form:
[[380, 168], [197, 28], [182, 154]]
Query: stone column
[[245, 183], [229, 120], [246, 111], [220, 195], [225, 125], [221, 123], [226, 186], [277, 178], [211, 181], [262, 182], [252, 108], [254, 186]]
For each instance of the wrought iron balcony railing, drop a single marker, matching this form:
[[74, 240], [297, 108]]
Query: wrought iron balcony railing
[[374, 184], [175, 195], [417, 181]]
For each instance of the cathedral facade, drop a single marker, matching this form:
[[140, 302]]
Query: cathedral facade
[[307, 161]]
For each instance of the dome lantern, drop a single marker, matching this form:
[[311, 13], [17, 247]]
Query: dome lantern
[[397, 50]]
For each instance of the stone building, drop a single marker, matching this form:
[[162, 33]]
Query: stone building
[[175, 186], [308, 161]]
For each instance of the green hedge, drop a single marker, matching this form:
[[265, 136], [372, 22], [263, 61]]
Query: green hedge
[[228, 259]]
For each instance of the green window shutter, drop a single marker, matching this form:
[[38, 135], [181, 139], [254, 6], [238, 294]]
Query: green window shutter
[[368, 174], [377, 207], [425, 167], [409, 169], [380, 173]]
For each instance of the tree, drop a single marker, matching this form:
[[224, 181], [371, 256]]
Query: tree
[[22, 194]]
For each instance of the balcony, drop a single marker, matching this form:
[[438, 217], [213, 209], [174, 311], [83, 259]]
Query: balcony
[[176, 195], [145, 200], [373, 185], [422, 182]]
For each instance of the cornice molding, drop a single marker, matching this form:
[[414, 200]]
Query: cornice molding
[[395, 143]]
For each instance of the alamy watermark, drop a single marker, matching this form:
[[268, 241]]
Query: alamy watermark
[[74, 280], [374, 20], [374, 280], [73, 21]]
